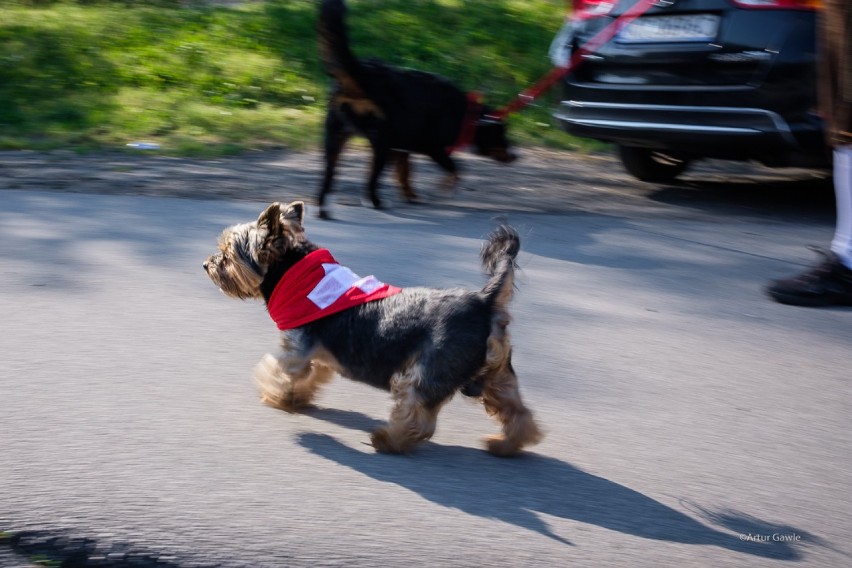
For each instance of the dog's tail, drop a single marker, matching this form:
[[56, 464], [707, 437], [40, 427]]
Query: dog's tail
[[498, 259], [337, 57]]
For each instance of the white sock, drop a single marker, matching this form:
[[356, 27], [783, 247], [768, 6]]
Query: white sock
[[842, 243]]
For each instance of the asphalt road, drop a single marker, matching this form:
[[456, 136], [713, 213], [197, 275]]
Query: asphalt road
[[690, 421]]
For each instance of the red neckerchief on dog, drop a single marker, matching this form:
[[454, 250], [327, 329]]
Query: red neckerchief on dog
[[318, 286], [468, 128]]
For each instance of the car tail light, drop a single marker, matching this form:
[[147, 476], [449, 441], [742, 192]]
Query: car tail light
[[590, 8], [788, 4]]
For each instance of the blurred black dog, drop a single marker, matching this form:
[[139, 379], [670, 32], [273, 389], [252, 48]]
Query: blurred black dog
[[399, 111], [421, 344]]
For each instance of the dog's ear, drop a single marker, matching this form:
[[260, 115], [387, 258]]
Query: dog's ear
[[270, 230], [294, 212], [270, 219]]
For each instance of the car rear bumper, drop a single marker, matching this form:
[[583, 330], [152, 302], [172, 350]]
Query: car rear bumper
[[705, 131]]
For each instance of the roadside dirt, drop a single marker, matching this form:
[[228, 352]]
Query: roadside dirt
[[540, 181]]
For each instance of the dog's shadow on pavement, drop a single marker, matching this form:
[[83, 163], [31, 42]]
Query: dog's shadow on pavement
[[517, 490]]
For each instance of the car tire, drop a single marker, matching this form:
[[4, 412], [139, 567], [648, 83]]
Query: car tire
[[651, 165]]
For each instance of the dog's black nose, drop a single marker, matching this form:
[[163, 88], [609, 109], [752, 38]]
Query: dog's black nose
[[205, 265]]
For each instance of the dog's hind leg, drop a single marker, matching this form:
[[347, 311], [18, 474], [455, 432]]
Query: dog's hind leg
[[381, 154], [502, 399], [412, 420], [290, 384], [336, 135]]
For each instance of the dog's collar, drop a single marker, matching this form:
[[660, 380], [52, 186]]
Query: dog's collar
[[468, 127], [318, 286]]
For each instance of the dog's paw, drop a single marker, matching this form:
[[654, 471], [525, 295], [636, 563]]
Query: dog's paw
[[286, 403], [275, 387], [384, 444], [373, 202], [449, 184], [499, 446], [381, 442]]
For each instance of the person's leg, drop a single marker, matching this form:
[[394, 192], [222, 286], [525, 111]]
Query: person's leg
[[842, 243], [830, 282]]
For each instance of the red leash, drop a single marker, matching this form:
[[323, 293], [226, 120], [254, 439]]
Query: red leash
[[551, 78], [468, 128]]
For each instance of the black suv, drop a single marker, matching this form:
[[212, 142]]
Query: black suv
[[691, 79]]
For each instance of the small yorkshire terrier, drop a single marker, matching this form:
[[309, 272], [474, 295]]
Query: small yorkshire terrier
[[421, 344]]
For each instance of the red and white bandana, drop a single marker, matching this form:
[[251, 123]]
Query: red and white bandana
[[318, 286]]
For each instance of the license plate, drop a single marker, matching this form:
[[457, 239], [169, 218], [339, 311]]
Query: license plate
[[693, 27]]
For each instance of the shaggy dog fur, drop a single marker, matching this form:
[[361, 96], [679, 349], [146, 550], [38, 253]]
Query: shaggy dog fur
[[422, 344]]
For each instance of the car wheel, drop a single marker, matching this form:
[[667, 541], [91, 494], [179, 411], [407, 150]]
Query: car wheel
[[651, 165]]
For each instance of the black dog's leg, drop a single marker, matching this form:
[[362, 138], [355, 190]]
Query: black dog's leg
[[381, 154], [449, 165], [403, 175], [336, 135]]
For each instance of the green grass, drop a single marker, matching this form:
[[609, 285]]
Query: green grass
[[205, 80]]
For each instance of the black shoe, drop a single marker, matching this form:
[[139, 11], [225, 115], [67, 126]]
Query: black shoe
[[827, 284]]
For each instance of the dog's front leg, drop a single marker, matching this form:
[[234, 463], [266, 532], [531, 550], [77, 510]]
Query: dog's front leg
[[451, 180], [402, 161], [412, 420], [290, 383]]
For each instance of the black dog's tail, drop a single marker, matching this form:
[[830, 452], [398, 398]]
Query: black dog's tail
[[337, 57], [498, 259]]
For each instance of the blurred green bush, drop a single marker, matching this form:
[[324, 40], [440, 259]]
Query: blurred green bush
[[221, 77]]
